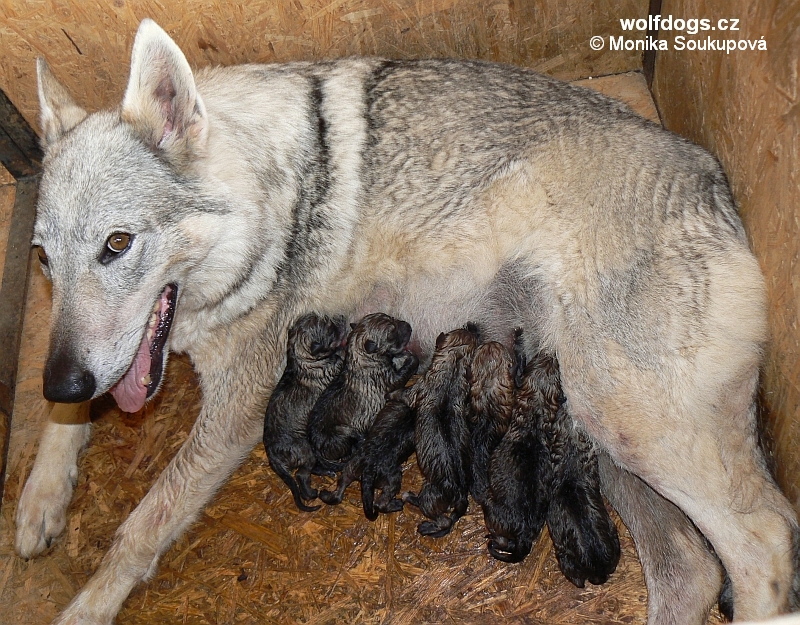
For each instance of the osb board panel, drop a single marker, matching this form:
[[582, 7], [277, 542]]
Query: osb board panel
[[745, 108], [5, 177], [252, 557], [7, 194], [88, 42]]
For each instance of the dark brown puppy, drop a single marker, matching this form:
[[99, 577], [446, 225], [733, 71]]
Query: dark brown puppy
[[520, 471], [442, 436], [314, 356], [584, 536], [546, 456], [376, 363], [378, 460], [492, 387]]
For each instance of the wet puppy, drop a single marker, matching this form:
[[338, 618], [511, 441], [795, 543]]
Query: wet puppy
[[378, 460], [520, 471], [492, 386], [314, 356], [376, 363], [441, 399], [584, 536]]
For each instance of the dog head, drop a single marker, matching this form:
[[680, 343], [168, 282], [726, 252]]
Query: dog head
[[122, 227]]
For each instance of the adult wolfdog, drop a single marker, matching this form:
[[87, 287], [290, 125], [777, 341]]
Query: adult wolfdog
[[206, 215]]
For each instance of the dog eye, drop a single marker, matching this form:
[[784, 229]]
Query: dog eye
[[42, 257], [116, 244]]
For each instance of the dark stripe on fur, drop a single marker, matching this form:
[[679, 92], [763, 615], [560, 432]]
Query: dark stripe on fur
[[309, 221]]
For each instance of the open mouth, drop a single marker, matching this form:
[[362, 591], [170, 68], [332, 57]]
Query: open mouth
[[144, 375]]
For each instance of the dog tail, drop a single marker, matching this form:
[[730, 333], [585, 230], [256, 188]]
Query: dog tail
[[368, 495], [289, 480]]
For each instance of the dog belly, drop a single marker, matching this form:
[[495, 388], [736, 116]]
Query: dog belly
[[508, 300]]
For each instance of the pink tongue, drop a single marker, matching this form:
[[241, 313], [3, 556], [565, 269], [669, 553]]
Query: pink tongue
[[129, 392]]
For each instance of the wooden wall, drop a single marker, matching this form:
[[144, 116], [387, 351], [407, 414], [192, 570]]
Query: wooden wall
[[745, 108], [87, 42]]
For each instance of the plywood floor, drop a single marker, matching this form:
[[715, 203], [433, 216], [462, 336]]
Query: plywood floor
[[252, 557]]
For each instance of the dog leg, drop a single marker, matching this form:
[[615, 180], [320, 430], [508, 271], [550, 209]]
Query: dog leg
[[683, 577], [230, 424], [41, 511], [717, 477], [747, 520]]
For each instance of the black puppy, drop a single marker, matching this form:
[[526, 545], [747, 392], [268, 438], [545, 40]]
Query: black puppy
[[314, 356], [378, 460], [584, 536], [442, 437], [376, 363], [520, 471], [492, 386]]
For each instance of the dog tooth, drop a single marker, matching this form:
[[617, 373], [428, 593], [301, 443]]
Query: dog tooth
[[153, 319], [146, 380]]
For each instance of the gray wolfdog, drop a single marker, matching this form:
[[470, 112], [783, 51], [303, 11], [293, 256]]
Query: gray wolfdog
[[206, 213]]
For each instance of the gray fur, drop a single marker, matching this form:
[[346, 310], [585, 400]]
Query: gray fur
[[414, 188]]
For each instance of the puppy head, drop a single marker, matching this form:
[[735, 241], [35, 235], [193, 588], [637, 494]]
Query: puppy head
[[492, 369], [542, 378], [377, 337], [462, 337], [316, 342]]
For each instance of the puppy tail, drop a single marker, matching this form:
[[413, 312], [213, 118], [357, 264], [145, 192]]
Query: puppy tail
[[368, 495], [289, 480]]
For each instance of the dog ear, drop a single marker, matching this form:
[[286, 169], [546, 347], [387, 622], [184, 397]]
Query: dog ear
[[161, 101], [59, 112]]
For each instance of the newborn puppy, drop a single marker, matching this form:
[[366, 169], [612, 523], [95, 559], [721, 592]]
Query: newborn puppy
[[375, 364], [441, 400], [520, 471], [584, 536], [314, 356], [491, 382], [378, 460]]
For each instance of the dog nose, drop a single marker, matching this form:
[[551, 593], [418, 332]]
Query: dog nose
[[66, 382]]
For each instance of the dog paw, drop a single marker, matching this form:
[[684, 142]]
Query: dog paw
[[74, 615], [41, 511]]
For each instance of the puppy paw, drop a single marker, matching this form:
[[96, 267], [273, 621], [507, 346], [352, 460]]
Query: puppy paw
[[387, 507], [433, 530], [41, 511], [410, 498]]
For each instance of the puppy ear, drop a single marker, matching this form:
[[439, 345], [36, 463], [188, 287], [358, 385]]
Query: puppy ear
[[59, 112], [440, 340], [161, 101], [352, 326]]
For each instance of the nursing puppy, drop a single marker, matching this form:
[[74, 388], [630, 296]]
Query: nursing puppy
[[375, 363], [520, 468], [314, 356], [492, 387], [441, 399], [378, 460], [584, 536]]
